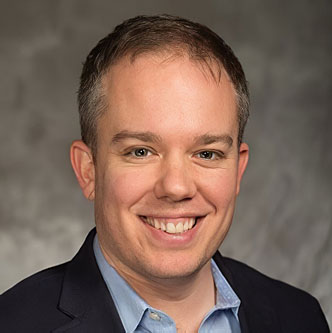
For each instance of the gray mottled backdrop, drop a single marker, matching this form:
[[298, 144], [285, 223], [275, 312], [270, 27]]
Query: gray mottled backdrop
[[283, 222]]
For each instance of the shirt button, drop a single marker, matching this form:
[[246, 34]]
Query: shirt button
[[154, 316]]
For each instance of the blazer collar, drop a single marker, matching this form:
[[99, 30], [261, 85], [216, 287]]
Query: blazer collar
[[256, 313], [85, 297]]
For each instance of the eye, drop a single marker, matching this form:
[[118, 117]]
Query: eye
[[139, 152], [207, 155], [210, 155]]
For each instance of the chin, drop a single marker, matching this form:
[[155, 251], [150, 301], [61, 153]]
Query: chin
[[177, 268]]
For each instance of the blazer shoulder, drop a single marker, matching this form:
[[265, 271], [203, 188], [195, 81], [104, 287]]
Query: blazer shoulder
[[292, 304], [33, 298], [35, 283], [264, 283]]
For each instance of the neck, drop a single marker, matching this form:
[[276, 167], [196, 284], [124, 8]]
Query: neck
[[182, 298]]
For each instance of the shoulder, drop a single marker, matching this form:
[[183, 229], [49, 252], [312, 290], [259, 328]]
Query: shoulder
[[43, 283], [35, 297], [262, 283], [293, 307]]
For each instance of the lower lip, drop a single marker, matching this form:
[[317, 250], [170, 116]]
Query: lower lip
[[174, 240]]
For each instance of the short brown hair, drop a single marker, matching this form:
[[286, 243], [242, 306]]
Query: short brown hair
[[143, 34]]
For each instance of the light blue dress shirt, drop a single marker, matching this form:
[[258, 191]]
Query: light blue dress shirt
[[137, 316]]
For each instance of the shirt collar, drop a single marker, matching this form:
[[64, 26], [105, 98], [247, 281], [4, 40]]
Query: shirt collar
[[131, 307], [226, 297]]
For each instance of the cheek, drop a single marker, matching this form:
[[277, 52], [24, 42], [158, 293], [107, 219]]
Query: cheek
[[220, 188], [126, 188]]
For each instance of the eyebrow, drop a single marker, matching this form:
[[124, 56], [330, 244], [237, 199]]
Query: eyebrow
[[207, 139], [142, 136]]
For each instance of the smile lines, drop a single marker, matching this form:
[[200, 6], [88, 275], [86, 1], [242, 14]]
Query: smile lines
[[159, 223]]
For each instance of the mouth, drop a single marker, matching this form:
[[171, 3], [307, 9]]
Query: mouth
[[171, 226]]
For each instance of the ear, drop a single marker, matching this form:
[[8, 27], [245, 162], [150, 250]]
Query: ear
[[242, 164], [83, 165]]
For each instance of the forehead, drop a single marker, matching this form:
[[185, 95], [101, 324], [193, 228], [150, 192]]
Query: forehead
[[167, 88], [209, 66]]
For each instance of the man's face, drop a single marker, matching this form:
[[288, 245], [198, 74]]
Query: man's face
[[167, 158]]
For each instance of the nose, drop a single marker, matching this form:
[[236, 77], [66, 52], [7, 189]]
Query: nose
[[175, 181]]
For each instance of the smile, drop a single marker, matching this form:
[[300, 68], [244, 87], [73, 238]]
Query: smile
[[177, 226]]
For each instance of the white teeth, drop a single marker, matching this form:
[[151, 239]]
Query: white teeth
[[179, 227], [191, 223], [156, 224], [170, 228]]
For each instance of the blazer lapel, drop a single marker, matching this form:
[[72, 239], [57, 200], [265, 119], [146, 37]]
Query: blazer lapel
[[85, 297], [256, 313]]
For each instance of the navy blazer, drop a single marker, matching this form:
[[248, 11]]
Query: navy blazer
[[73, 298]]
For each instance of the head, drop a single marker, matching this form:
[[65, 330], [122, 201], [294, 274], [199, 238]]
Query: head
[[163, 104], [155, 34]]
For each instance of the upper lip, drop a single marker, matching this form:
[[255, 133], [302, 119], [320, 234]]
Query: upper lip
[[171, 216]]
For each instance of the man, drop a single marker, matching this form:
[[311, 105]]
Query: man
[[163, 104]]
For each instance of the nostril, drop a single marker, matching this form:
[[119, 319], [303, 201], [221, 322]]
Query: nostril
[[175, 180], [175, 189]]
